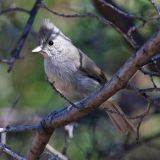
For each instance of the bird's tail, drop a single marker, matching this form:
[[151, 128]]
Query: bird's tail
[[117, 116]]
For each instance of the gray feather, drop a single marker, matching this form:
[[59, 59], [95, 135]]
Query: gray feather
[[48, 30], [90, 68]]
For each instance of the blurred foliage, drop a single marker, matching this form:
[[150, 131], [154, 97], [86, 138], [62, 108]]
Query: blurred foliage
[[27, 80]]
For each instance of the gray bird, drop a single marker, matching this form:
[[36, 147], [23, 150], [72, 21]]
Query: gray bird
[[72, 72]]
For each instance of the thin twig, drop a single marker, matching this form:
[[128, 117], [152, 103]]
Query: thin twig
[[142, 141], [105, 3], [149, 90], [129, 15], [17, 9], [133, 29], [74, 15], [56, 153], [16, 51], [8, 151], [124, 115], [20, 128], [141, 120], [143, 93], [153, 82], [150, 73], [155, 7], [88, 14]]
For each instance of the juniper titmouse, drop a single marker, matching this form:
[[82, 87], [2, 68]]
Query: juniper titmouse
[[73, 73]]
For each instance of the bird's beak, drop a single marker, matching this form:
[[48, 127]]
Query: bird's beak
[[37, 49]]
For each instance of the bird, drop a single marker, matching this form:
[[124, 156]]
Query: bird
[[73, 73]]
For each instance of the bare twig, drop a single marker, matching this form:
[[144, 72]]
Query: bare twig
[[153, 82], [105, 3], [8, 151], [155, 7], [16, 51], [20, 128], [121, 20], [89, 14], [150, 73], [7, 61], [149, 90], [141, 120], [130, 15], [17, 9], [142, 141], [56, 153], [143, 93], [74, 15], [133, 29]]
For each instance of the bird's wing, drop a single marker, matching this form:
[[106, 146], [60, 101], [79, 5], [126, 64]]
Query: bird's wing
[[88, 67]]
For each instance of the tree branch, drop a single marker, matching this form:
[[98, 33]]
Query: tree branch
[[121, 19], [155, 7], [20, 128], [17, 9], [16, 51], [118, 81], [8, 151]]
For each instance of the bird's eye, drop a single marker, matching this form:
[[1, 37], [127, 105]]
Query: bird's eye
[[50, 43]]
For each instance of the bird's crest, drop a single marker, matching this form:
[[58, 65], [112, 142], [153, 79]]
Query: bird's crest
[[48, 29]]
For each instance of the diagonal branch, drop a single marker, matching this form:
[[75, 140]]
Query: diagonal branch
[[8, 10], [20, 128], [155, 7], [75, 15], [16, 51], [121, 20], [119, 81], [8, 151]]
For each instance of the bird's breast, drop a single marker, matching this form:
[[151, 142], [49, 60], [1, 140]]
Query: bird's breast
[[61, 76], [68, 80]]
